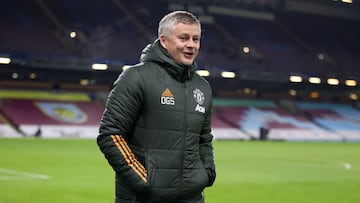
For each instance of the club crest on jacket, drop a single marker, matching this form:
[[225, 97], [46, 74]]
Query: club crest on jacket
[[200, 99]]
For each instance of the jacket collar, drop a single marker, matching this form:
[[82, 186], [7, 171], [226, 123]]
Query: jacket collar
[[156, 53]]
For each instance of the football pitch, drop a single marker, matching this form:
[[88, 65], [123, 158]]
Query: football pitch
[[74, 171]]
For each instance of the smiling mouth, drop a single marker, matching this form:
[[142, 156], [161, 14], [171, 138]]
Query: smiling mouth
[[189, 54]]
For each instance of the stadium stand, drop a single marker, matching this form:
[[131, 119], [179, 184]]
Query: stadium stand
[[225, 124], [52, 114], [6, 129], [60, 112], [327, 36], [125, 24], [248, 117], [341, 119], [281, 41], [270, 41], [57, 114]]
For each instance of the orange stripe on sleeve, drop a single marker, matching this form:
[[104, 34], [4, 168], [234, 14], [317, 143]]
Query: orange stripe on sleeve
[[132, 156], [128, 158]]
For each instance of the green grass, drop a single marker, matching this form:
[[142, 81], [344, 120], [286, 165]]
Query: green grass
[[250, 172]]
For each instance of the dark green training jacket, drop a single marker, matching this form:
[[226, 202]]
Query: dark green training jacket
[[155, 131]]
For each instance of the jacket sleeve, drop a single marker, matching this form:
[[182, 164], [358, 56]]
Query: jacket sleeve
[[206, 148], [122, 109]]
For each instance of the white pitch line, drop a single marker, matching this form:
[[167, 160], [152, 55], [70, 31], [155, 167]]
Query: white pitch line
[[20, 175]]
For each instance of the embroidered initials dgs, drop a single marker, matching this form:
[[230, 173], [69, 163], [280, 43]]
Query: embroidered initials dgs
[[167, 98]]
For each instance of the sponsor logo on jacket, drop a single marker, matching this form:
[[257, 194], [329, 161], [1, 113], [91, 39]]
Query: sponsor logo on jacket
[[200, 99], [167, 98]]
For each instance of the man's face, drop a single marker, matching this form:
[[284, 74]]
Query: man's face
[[183, 43]]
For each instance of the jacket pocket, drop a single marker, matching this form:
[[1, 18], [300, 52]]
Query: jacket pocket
[[202, 179], [195, 180], [163, 168]]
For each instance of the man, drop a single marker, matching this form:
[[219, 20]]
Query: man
[[155, 131]]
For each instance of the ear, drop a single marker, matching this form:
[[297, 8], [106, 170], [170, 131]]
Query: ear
[[163, 41]]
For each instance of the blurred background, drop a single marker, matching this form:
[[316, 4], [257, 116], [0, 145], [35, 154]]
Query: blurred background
[[280, 69]]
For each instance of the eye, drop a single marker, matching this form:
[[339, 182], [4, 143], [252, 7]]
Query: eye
[[183, 38]]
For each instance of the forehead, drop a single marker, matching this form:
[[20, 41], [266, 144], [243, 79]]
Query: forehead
[[188, 29]]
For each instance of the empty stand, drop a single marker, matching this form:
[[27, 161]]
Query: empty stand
[[119, 30], [54, 114], [341, 119], [37, 112], [277, 50], [249, 118], [334, 38]]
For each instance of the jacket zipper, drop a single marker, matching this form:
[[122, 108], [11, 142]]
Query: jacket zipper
[[183, 139]]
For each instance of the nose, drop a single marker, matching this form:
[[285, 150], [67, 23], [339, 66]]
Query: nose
[[192, 43]]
